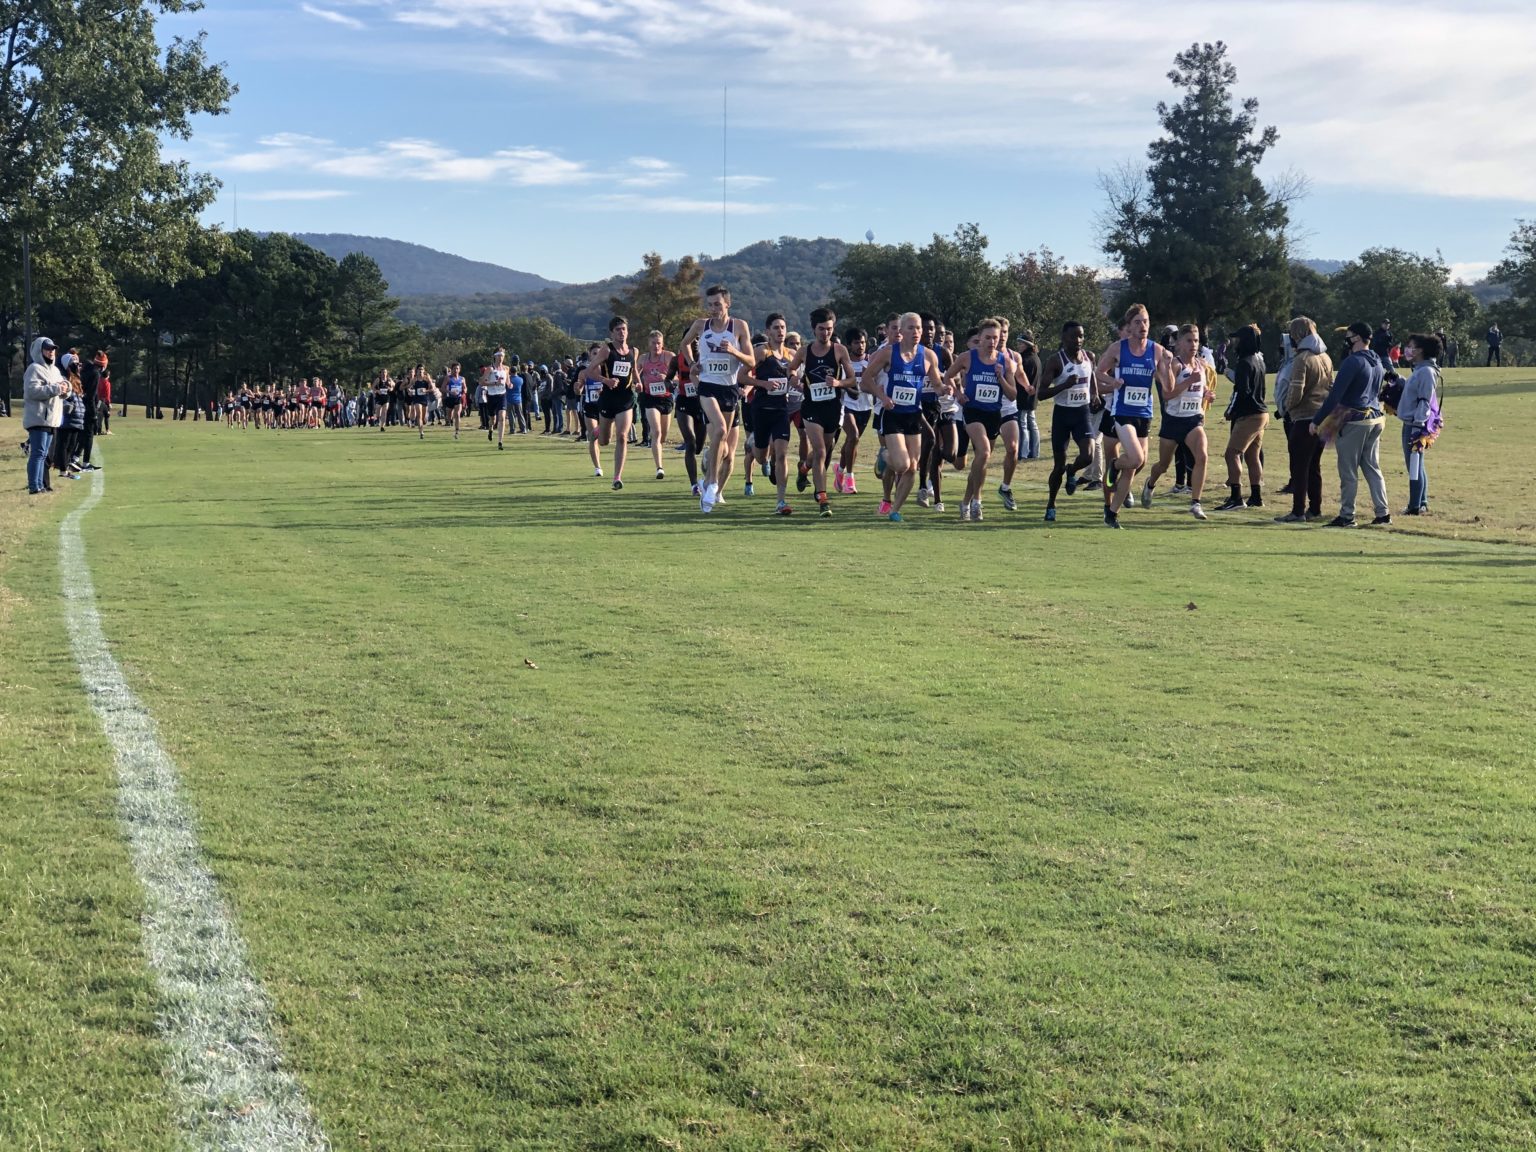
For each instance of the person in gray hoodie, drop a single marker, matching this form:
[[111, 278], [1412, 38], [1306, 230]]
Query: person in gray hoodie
[[1351, 414], [43, 412], [1420, 398]]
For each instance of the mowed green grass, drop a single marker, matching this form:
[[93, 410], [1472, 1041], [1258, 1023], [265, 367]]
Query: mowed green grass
[[810, 834]]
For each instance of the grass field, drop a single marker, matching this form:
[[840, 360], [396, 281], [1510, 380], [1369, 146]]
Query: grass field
[[800, 834]]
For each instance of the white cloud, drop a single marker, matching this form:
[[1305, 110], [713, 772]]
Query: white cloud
[[297, 194], [407, 158], [1470, 271], [683, 205], [648, 172], [1350, 83], [331, 16]]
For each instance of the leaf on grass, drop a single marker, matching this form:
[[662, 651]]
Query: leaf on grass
[[529, 662], [1191, 606]]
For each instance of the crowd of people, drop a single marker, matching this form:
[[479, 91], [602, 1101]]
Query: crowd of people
[[938, 402], [928, 407], [67, 403]]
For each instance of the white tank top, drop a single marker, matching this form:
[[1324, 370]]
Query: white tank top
[[1010, 407], [1192, 402], [1078, 392], [496, 382], [716, 366], [858, 401]]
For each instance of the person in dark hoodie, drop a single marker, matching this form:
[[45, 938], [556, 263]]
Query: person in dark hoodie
[[1353, 417], [1249, 414]]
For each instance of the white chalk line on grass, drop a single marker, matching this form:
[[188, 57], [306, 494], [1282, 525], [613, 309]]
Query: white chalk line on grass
[[232, 1092]]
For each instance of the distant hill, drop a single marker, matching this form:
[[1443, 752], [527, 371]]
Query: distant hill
[[1323, 267], [789, 275], [416, 270]]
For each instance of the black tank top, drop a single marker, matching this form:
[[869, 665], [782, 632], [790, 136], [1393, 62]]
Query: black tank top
[[773, 372], [820, 372], [621, 367]]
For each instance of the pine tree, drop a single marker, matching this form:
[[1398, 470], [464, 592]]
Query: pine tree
[[1198, 235]]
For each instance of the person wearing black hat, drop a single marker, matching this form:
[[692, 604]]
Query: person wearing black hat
[[1353, 416]]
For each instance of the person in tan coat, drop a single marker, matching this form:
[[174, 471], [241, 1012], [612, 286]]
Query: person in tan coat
[[1311, 377]]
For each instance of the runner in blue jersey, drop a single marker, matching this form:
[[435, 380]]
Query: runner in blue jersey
[[906, 366], [1128, 371], [454, 392], [986, 377]]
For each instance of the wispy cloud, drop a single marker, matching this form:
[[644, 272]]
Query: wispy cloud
[[406, 159], [297, 194], [1035, 98], [684, 205], [331, 16]]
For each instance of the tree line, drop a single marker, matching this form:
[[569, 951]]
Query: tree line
[[120, 261]]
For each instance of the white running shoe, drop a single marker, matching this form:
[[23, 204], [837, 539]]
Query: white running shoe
[[1196, 511], [1146, 495], [597, 472], [924, 497]]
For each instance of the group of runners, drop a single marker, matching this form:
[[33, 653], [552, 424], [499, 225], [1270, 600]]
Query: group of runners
[[931, 407], [307, 404]]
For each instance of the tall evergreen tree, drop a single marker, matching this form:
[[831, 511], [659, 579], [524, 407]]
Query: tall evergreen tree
[[1198, 234], [371, 337]]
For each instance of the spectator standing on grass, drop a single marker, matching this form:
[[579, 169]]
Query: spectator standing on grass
[[1495, 340], [1249, 414], [1351, 416], [104, 398], [1307, 384], [1451, 348], [1382, 341], [90, 386], [42, 387], [1419, 410]]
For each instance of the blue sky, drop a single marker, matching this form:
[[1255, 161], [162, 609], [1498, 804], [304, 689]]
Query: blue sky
[[568, 137]]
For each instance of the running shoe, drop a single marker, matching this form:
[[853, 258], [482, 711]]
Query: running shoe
[[455, 435], [894, 517], [707, 499], [1050, 515], [420, 435], [803, 479], [1071, 484], [597, 472], [1196, 511], [1007, 494], [488, 436], [938, 505], [1291, 518], [617, 485], [1230, 504], [1179, 489], [853, 485], [924, 497], [837, 476], [1146, 495], [1255, 502], [826, 510], [783, 509], [976, 511], [880, 464], [885, 507], [695, 489], [1110, 519], [660, 474], [965, 512], [1341, 522], [1382, 521], [747, 491], [1130, 499], [500, 447]]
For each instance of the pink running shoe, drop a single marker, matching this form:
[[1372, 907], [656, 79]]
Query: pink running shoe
[[853, 485], [885, 507]]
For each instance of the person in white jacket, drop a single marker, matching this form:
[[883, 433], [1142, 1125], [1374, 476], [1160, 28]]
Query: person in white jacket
[[42, 412]]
